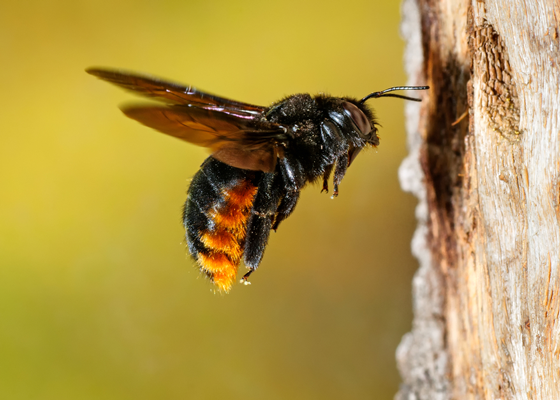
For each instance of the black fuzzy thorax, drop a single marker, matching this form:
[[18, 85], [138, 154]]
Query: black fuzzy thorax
[[321, 131]]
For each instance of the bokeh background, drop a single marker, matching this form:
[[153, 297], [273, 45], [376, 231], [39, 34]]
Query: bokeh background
[[98, 297]]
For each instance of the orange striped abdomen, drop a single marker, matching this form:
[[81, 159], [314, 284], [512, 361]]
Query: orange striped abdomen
[[218, 207]]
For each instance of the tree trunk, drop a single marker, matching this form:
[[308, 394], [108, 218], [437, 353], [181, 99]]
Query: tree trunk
[[486, 296]]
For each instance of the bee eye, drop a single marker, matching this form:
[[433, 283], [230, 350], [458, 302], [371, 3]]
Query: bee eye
[[358, 117]]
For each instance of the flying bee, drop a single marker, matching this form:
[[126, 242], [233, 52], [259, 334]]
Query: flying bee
[[261, 159]]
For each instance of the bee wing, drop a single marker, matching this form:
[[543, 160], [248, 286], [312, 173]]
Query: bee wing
[[172, 92], [241, 142]]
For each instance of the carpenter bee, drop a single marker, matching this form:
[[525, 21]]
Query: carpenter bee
[[261, 159]]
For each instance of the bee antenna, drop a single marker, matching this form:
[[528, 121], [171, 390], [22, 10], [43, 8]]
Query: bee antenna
[[383, 93]]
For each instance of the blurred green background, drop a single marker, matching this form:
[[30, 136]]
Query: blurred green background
[[98, 298]]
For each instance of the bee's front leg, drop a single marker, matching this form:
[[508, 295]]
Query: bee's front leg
[[326, 175], [339, 172]]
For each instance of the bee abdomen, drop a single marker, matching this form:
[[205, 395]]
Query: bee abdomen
[[215, 217]]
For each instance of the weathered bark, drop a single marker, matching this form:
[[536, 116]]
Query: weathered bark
[[487, 292]]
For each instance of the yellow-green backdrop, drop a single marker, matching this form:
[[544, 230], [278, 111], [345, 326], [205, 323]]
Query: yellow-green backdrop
[[98, 298]]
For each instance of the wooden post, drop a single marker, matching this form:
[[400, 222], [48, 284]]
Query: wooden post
[[486, 295]]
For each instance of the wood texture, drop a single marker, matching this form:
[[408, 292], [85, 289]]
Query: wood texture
[[486, 294]]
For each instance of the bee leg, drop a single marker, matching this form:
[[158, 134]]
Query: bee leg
[[286, 207], [340, 170], [260, 221], [245, 279], [292, 174], [293, 180], [326, 175]]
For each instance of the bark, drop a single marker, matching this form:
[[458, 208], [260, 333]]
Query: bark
[[486, 296]]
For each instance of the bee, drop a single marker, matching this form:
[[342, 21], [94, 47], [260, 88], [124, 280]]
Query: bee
[[261, 158]]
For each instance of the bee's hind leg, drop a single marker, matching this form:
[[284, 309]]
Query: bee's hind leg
[[245, 278], [264, 209]]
